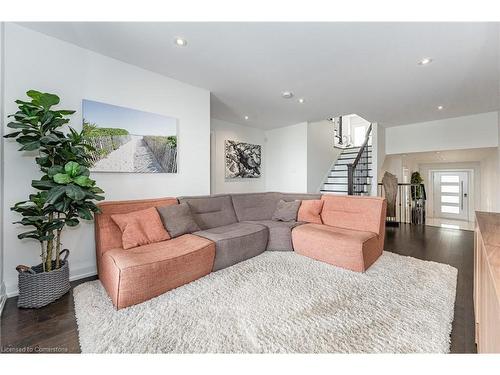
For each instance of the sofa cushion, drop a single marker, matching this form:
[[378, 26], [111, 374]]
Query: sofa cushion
[[107, 234], [352, 249], [280, 234], [288, 197], [261, 206], [286, 211], [310, 211], [140, 227], [211, 211], [255, 206], [236, 242], [178, 219], [359, 213], [136, 275]]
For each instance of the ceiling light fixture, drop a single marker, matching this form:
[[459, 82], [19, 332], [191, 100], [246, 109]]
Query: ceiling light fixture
[[246, 117], [425, 61], [181, 42], [440, 107], [287, 94], [301, 100]]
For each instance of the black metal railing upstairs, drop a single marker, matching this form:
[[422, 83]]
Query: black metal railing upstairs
[[408, 203], [358, 172]]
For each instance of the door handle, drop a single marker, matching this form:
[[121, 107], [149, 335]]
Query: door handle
[[462, 195]]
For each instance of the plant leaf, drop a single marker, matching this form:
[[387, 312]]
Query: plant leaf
[[52, 171], [75, 192], [62, 178], [43, 184], [84, 181], [55, 193], [30, 146], [72, 168]]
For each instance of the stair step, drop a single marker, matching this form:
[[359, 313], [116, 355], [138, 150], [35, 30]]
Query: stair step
[[351, 160], [343, 167], [354, 152]]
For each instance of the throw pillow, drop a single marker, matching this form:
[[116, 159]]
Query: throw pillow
[[177, 219], [286, 211], [140, 228], [310, 211]]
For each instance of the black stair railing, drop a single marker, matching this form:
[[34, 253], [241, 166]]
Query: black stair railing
[[358, 171]]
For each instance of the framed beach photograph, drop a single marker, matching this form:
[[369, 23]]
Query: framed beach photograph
[[129, 140]]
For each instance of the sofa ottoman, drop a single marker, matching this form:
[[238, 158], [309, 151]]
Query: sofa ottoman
[[280, 234], [346, 248], [236, 242], [135, 275]]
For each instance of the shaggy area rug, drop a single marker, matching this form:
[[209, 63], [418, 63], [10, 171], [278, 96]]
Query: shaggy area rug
[[282, 302]]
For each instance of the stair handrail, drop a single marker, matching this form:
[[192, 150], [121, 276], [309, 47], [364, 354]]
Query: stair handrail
[[354, 164]]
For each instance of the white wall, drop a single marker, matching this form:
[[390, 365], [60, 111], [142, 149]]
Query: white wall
[[473, 131], [321, 153], [2, 117], [378, 155], [74, 74], [221, 131], [286, 161]]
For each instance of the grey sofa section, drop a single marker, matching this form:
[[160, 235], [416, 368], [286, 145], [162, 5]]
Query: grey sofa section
[[280, 234], [261, 206], [236, 242], [211, 211]]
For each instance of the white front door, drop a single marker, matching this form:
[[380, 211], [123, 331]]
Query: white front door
[[451, 195]]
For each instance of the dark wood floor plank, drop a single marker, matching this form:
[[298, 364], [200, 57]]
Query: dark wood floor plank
[[53, 328]]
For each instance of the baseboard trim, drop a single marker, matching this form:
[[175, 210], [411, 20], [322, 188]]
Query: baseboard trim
[[3, 297], [76, 275]]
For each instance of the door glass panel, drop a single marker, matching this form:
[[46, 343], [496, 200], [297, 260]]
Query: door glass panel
[[450, 209], [450, 188], [450, 199], [448, 179]]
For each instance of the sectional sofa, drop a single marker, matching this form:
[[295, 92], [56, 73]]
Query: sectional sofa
[[345, 231]]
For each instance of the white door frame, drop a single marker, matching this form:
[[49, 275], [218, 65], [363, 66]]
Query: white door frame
[[471, 195]]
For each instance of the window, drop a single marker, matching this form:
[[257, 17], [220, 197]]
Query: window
[[450, 189], [450, 209]]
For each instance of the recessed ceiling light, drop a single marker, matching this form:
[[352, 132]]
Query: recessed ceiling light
[[181, 42], [246, 117], [301, 100], [440, 107], [425, 61], [287, 94]]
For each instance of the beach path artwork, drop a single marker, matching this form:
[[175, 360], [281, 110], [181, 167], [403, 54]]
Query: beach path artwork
[[242, 159], [129, 140]]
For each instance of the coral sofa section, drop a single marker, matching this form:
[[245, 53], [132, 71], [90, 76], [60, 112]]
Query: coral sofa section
[[135, 275], [352, 233]]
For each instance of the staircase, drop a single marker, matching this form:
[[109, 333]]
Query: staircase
[[337, 180]]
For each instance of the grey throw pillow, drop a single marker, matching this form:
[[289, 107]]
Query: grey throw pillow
[[286, 211], [177, 219]]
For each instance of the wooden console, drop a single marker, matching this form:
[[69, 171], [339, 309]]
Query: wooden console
[[487, 282]]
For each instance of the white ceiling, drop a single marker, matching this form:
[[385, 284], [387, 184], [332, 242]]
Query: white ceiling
[[365, 68]]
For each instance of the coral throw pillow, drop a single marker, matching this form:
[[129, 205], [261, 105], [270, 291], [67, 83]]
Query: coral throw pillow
[[310, 211], [140, 228]]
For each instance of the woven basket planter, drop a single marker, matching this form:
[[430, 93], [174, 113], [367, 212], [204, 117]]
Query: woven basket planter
[[38, 288]]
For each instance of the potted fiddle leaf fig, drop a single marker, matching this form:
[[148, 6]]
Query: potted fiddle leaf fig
[[65, 193]]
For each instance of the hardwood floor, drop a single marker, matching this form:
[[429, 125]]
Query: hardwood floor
[[53, 328], [454, 247]]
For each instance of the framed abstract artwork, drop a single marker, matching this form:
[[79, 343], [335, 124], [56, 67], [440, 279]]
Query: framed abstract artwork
[[242, 160]]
